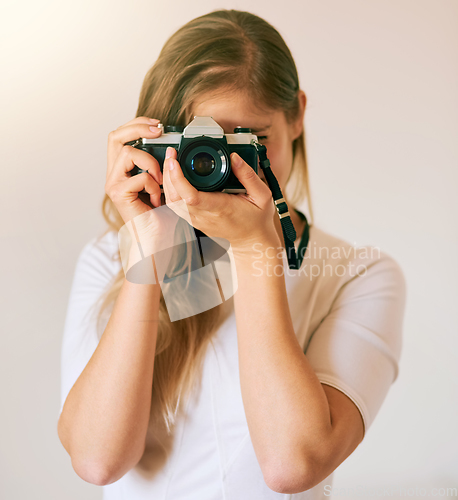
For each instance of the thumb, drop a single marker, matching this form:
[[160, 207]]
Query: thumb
[[249, 179]]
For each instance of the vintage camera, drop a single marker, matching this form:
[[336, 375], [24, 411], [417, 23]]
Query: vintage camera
[[204, 153]]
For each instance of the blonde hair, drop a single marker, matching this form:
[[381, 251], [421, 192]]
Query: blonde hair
[[226, 50]]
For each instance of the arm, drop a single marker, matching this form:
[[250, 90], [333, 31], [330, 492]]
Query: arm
[[301, 430], [105, 417], [104, 420]]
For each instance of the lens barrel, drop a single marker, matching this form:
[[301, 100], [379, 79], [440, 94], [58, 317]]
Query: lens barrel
[[205, 163]]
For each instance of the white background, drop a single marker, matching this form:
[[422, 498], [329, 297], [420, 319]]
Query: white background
[[381, 79]]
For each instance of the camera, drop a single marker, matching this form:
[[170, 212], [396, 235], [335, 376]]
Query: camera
[[204, 153]]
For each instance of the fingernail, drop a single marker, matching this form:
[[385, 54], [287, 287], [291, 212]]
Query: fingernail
[[168, 155], [153, 129], [154, 120], [236, 160]]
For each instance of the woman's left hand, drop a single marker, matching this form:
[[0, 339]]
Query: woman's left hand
[[242, 219]]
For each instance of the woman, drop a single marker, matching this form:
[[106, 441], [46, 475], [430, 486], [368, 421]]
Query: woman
[[268, 392]]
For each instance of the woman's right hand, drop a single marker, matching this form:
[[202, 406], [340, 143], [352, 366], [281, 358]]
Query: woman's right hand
[[152, 231], [122, 188]]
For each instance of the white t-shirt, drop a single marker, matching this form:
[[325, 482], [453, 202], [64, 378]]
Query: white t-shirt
[[347, 306]]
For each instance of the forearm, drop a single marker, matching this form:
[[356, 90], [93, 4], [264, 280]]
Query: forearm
[[105, 417], [286, 408]]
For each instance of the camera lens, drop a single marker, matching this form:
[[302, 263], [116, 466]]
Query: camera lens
[[203, 164]]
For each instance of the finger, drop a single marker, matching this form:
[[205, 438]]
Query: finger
[[256, 190], [179, 183], [126, 193], [142, 181], [128, 158], [170, 192], [173, 195], [117, 138], [142, 119]]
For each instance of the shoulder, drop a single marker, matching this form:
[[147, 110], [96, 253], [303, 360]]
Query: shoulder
[[96, 268], [361, 288], [364, 290], [341, 262], [100, 255], [355, 341], [103, 246]]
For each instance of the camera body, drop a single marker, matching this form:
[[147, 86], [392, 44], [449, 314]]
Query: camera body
[[204, 153]]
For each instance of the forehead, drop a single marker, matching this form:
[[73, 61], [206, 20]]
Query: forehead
[[232, 109]]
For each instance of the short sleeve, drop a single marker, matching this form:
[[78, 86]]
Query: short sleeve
[[96, 269], [357, 346]]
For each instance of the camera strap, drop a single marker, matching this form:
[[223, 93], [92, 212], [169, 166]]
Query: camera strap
[[289, 233]]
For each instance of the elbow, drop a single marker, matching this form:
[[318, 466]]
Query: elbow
[[292, 477], [93, 473], [98, 474], [101, 471]]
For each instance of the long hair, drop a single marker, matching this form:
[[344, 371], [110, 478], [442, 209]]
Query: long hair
[[230, 50]]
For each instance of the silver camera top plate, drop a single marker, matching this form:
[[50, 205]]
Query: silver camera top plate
[[199, 127], [203, 125]]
